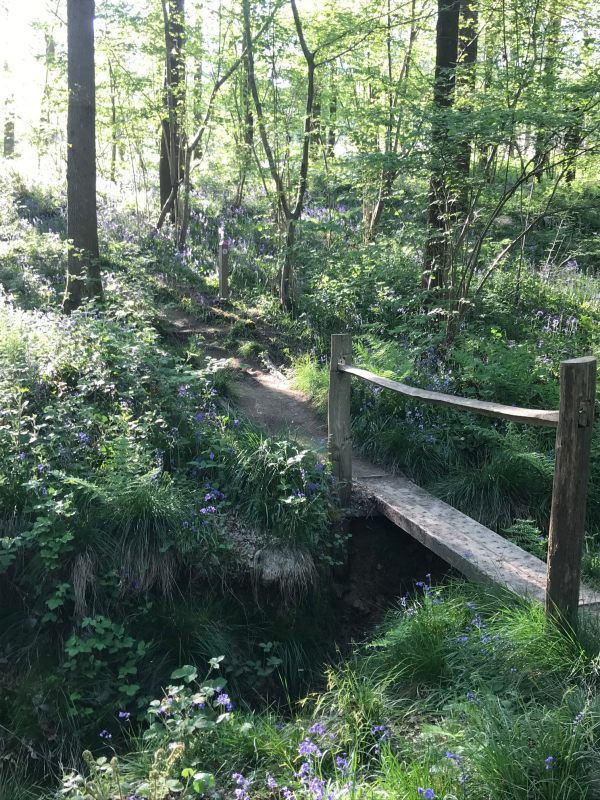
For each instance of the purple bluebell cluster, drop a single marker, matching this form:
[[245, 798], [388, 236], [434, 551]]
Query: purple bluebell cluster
[[224, 700], [456, 759], [243, 784]]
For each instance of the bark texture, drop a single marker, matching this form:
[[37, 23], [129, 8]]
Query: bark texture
[[171, 164], [436, 262], [83, 271]]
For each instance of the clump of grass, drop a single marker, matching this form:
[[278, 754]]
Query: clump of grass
[[312, 379], [534, 752], [248, 349], [282, 488], [527, 535], [463, 693]]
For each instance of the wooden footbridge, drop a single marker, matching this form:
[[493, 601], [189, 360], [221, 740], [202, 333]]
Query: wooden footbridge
[[479, 553]]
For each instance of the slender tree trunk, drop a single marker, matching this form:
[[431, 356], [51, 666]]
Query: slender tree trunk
[[468, 35], [332, 123], [247, 137], [113, 125], [171, 166], [83, 271], [392, 138], [573, 141], [9, 119], [287, 266], [437, 249], [550, 74], [9, 132], [290, 213]]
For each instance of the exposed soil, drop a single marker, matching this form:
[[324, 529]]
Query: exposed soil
[[383, 561]]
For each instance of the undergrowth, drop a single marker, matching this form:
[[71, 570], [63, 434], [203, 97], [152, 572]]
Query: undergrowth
[[460, 694], [135, 508]]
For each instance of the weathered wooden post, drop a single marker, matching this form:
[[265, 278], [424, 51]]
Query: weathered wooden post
[[569, 491], [338, 417], [224, 268]]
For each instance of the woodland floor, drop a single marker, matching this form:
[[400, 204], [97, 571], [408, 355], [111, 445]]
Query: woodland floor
[[383, 561], [266, 397]]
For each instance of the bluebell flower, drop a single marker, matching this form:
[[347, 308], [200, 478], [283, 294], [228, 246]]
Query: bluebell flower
[[211, 455], [472, 697], [342, 763], [83, 437], [549, 762], [304, 770], [453, 757], [124, 715], [317, 787], [104, 734], [308, 748], [381, 732], [428, 794], [224, 700], [271, 782], [317, 728]]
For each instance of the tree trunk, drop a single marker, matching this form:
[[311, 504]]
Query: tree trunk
[[291, 214], [468, 35], [9, 119], [332, 121], [549, 77], [287, 266], [436, 261], [573, 141], [392, 138], [171, 166], [247, 137], [9, 133], [113, 125], [83, 271]]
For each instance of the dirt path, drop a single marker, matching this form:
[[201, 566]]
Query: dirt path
[[265, 397]]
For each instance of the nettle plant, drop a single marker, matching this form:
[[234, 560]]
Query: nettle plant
[[189, 708]]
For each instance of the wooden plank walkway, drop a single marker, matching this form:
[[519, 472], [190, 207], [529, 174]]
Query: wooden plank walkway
[[474, 550]]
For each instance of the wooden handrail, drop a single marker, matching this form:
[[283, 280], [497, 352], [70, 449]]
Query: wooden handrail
[[572, 463], [531, 416]]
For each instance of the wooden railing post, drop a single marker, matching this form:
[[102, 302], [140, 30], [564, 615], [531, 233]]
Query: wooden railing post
[[338, 418], [224, 269], [569, 491]]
